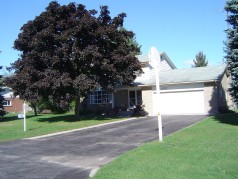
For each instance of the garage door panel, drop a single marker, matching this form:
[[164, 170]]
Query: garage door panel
[[189, 102]]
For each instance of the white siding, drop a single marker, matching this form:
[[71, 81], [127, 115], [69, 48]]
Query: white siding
[[164, 66], [149, 71]]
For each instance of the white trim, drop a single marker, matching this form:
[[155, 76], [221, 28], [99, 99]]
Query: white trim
[[188, 82], [94, 100], [181, 90], [10, 102]]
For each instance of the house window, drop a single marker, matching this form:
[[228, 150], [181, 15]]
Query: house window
[[7, 103], [135, 98], [100, 97]]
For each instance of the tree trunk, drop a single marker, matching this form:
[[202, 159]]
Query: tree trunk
[[77, 107], [85, 103], [34, 108]]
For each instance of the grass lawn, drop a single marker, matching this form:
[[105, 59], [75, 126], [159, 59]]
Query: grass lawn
[[208, 149], [11, 128]]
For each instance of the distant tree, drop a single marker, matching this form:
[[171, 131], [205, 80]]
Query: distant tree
[[68, 51], [232, 45], [132, 42], [200, 60], [2, 111]]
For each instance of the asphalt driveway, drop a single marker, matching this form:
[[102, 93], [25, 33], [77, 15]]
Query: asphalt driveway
[[77, 154]]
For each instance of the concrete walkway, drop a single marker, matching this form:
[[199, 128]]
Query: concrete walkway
[[79, 153]]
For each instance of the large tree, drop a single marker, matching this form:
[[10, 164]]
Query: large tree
[[232, 45], [68, 51], [2, 112], [200, 60]]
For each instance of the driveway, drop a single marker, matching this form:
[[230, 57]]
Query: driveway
[[77, 154]]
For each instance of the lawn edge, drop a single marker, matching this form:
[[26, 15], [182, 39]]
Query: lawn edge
[[188, 126]]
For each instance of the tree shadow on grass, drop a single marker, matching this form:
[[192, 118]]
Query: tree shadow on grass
[[14, 117], [228, 118], [71, 118]]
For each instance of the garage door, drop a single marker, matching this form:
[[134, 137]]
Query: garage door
[[182, 102]]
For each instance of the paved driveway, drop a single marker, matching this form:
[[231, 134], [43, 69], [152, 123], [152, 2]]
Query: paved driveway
[[76, 154]]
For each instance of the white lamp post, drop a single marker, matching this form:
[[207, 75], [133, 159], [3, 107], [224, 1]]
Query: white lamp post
[[154, 61]]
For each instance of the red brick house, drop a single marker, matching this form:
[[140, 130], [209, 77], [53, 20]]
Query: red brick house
[[12, 104]]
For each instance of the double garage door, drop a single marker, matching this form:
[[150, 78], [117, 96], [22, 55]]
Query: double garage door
[[182, 102]]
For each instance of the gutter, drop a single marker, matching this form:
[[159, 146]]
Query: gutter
[[179, 83]]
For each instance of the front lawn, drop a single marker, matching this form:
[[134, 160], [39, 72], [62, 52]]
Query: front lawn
[[208, 149], [11, 128]]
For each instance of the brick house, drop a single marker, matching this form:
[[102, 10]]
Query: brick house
[[12, 104]]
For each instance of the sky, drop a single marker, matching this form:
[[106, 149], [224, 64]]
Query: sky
[[180, 28]]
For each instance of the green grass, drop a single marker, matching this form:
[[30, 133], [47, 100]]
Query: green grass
[[11, 128], [208, 149]]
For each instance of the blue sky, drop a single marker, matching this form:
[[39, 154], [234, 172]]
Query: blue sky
[[180, 28]]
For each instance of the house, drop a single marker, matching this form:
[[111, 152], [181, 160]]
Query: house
[[202, 90], [12, 104]]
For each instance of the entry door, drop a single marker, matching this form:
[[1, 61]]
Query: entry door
[[135, 98]]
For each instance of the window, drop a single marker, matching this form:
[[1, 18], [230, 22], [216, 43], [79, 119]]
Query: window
[[135, 98], [7, 103], [100, 97]]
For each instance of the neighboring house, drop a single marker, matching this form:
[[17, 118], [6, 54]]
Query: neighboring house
[[201, 90], [12, 104]]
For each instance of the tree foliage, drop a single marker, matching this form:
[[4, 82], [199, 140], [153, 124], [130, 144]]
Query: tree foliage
[[68, 51], [232, 45], [2, 112], [200, 60]]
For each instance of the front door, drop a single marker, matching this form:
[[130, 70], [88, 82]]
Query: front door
[[135, 98]]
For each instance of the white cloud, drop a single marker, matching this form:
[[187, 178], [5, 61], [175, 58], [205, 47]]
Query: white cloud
[[188, 63]]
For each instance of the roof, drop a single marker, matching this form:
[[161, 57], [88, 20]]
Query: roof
[[189, 75], [146, 59], [143, 58], [165, 56], [7, 92]]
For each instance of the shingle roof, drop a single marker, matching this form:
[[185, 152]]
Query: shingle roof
[[199, 74], [7, 92], [143, 58]]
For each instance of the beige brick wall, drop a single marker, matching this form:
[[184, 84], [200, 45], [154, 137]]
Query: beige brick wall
[[147, 99], [226, 100], [211, 98], [121, 98]]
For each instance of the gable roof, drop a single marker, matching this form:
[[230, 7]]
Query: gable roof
[[163, 56], [189, 75], [7, 92]]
